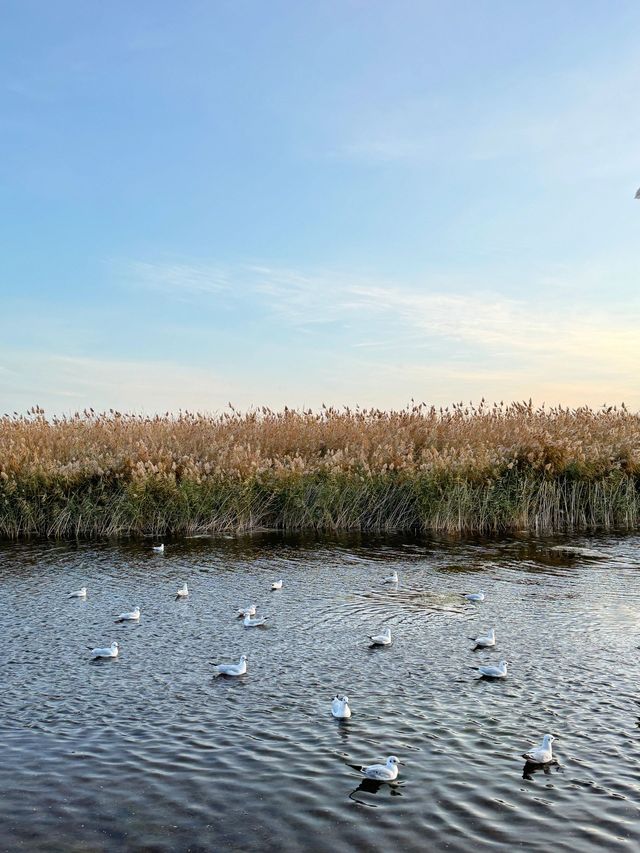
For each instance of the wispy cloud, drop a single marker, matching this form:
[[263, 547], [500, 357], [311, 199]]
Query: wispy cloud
[[427, 323], [61, 382], [174, 278]]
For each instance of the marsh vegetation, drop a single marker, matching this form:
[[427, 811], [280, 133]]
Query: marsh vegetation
[[489, 468]]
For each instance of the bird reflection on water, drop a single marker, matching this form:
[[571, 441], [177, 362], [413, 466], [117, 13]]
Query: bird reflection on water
[[530, 769], [373, 786]]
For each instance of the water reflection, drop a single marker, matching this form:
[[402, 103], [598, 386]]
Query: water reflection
[[530, 769], [371, 786], [342, 729], [197, 761]]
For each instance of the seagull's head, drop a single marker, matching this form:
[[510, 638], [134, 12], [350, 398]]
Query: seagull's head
[[503, 664], [548, 738], [115, 645], [243, 658], [345, 699], [392, 761]]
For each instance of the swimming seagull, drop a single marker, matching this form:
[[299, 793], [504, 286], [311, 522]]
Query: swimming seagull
[[499, 671], [248, 622], [132, 616], [340, 708], [110, 652], [159, 549], [474, 596], [486, 641], [383, 639], [183, 592], [232, 668], [247, 611], [382, 772], [276, 585], [79, 593], [393, 578], [542, 754]]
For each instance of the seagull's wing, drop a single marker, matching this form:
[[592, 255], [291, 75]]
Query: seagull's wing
[[376, 771], [535, 756]]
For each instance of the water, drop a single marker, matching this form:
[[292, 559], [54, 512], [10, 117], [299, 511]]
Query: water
[[150, 752]]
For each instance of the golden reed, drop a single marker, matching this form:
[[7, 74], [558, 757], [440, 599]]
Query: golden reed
[[459, 469]]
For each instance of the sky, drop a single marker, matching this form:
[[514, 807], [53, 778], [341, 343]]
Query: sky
[[349, 202]]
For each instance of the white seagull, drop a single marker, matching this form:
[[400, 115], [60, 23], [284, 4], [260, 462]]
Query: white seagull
[[393, 578], [248, 622], [542, 754], [499, 671], [183, 592], [382, 772], [131, 616], [79, 593], [232, 668], [485, 641], [247, 611], [159, 549], [474, 596], [110, 652], [276, 585], [383, 639], [340, 708]]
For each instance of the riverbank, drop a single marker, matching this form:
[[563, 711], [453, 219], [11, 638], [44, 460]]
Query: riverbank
[[458, 470]]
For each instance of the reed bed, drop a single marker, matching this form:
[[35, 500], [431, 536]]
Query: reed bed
[[488, 468]]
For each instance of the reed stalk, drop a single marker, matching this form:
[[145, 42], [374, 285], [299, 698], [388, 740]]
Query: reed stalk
[[462, 469]]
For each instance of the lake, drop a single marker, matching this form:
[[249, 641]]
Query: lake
[[151, 752]]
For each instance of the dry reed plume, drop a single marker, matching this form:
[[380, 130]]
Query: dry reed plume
[[460, 469]]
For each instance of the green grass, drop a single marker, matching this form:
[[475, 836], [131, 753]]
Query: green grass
[[516, 500]]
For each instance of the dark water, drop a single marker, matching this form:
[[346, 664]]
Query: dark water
[[150, 752]]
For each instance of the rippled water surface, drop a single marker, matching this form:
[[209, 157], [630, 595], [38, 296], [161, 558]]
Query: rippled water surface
[[151, 752]]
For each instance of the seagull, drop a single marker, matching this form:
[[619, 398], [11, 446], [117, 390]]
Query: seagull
[[499, 671], [232, 668], [474, 596], [132, 616], [340, 708], [79, 593], [486, 641], [393, 578], [248, 622], [382, 772], [542, 754], [183, 592], [383, 639], [276, 585], [247, 611], [110, 652], [159, 549]]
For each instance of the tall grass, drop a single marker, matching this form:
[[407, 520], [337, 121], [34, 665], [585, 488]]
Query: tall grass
[[460, 469]]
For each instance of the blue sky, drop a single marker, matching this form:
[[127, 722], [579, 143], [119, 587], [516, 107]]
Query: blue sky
[[305, 202]]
